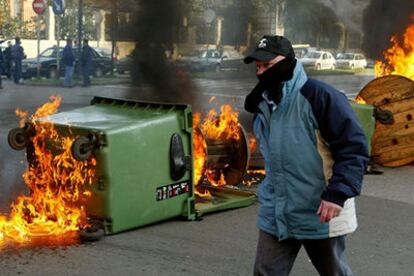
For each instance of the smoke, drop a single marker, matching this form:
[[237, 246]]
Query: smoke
[[382, 19], [349, 11], [157, 28]]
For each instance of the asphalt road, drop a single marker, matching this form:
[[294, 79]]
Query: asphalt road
[[222, 243]]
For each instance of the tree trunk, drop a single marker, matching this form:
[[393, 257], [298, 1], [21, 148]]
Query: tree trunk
[[114, 30]]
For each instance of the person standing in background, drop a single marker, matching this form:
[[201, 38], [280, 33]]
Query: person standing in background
[[8, 60], [17, 53], [1, 68], [68, 59], [86, 63]]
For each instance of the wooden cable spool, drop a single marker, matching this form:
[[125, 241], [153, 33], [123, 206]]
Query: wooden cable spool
[[230, 156], [393, 141]]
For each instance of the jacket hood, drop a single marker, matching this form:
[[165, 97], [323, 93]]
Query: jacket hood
[[298, 80]]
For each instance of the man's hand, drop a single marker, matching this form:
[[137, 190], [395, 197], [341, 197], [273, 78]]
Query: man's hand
[[328, 210]]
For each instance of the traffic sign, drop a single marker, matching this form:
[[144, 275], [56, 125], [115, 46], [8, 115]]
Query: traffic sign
[[58, 7], [39, 6], [209, 16]]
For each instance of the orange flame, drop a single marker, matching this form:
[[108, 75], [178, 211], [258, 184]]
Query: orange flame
[[399, 59], [223, 126], [23, 116], [360, 100], [200, 150], [200, 157], [258, 175], [252, 144], [57, 182]]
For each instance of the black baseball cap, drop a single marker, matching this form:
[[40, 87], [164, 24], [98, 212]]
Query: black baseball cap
[[270, 47]]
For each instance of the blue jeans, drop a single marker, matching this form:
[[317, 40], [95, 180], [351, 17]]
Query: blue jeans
[[68, 76], [17, 71], [277, 258], [86, 74]]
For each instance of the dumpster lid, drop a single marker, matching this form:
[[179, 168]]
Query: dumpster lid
[[108, 113], [131, 102]]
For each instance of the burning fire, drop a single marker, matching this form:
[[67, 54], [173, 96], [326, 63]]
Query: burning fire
[[360, 100], [223, 126], [57, 182], [399, 58], [200, 155], [252, 144], [255, 177]]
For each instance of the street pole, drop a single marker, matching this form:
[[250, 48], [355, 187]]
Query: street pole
[[58, 46], [38, 46], [80, 23]]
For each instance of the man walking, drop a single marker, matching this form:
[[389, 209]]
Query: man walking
[[17, 53], [8, 62], [68, 59], [315, 156], [86, 62], [1, 68]]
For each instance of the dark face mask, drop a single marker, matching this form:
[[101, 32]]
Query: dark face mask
[[273, 77]]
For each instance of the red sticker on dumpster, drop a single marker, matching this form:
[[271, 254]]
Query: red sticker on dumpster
[[172, 190]]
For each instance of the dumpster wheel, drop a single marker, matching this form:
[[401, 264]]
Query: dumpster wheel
[[79, 149], [17, 139], [93, 233]]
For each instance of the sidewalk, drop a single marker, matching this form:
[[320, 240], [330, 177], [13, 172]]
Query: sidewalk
[[224, 243]]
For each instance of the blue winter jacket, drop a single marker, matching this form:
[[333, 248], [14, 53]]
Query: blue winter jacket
[[314, 148], [1, 58], [17, 52], [68, 58], [87, 55]]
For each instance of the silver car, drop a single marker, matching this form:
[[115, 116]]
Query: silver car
[[350, 61], [319, 60]]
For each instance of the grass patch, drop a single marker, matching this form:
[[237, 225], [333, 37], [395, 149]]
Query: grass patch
[[77, 81], [313, 72], [225, 75], [250, 72]]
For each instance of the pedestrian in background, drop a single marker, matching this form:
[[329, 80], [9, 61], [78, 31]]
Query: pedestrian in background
[[68, 59], [86, 62], [17, 53], [8, 62], [315, 155], [1, 68]]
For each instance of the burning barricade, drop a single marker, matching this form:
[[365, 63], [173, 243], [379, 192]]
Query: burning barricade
[[221, 149], [392, 94], [119, 164], [58, 183]]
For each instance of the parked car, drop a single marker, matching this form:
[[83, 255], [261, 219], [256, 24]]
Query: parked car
[[350, 61], [212, 60], [103, 52], [302, 49], [123, 65], [319, 60], [48, 64]]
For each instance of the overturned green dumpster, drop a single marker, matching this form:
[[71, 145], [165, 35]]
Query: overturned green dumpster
[[365, 115], [144, 164]]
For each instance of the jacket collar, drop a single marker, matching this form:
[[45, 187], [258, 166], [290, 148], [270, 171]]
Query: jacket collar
[[255, 97]]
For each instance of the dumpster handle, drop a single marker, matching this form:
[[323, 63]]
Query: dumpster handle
[[179, 163]]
